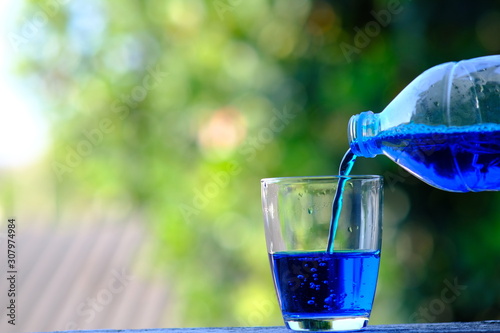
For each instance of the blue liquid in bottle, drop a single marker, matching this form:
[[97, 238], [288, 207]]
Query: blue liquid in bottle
[[459, 159]]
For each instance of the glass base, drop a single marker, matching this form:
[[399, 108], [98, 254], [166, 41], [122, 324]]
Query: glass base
[[327, 324]]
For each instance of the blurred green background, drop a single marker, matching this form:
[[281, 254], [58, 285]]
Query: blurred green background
[[175, 109]]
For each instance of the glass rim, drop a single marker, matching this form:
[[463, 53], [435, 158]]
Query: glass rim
[[299, 179]]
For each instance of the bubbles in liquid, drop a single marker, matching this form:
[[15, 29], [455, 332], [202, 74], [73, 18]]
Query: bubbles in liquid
[[310, 210], [349, 229]]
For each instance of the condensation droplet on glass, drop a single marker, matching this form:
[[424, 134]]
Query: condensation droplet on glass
[[349, 229]]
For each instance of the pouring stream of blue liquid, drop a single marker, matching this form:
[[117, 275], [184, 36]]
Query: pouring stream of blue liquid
[[344, 170]]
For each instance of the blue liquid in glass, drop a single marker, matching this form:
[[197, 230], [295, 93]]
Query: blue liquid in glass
[[459, 159], [322, 284]]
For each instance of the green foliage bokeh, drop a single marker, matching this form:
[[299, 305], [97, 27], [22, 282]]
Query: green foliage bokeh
[[187, 104]]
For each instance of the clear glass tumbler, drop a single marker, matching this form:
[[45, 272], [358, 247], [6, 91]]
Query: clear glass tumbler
[[325, 276]]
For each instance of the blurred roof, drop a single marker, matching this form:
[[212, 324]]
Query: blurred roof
[[82, 278]]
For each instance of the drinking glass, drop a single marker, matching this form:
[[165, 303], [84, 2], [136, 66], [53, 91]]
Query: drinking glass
[[325, 274]]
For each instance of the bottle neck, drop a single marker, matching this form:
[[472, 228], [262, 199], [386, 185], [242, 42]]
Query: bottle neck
[[361, 128]]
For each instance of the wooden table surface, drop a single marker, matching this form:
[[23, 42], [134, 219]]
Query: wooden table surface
[[480, 326]]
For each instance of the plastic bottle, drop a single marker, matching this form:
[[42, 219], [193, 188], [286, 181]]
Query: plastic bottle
[[444, 127]]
